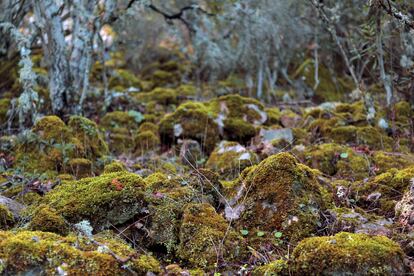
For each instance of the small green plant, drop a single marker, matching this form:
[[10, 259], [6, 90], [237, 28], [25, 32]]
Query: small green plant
[[260, 233], [244, 232]]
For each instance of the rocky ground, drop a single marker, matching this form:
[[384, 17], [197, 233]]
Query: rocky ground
[[166, 184]]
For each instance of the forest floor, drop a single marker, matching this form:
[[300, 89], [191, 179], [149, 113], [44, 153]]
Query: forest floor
[[164, 184]]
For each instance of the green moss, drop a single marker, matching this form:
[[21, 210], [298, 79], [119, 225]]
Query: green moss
[[373, 138], [347, 253], [202, 229], [147, 126], [114, 166], [91, 139], [385, 161], [6, 218], [52, 127], [283, 195], [335, 160], [278, 267], [118, 119], [48, 253], [4, 108], [230, 158], [146, 141], [191, 120], [111, 198], [239, 130], [163, 96], [80, 167], [166, 198], [123, 79], [273, 116], [390, 186], [163, 78], [46, 219]]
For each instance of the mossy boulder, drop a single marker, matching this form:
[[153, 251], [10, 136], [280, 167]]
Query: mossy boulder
[[5, 104], [348, 254], [114, 166], [35, 252], [166, 199], [278, 194], [336, 160], [145, 141], [382, 192], [51, 144], [91, 139], [191, 120], [231, 117], [112, 198], [46, 219], [80, 167], [6, 218], [230, 158], [205, 237], [278, 267]]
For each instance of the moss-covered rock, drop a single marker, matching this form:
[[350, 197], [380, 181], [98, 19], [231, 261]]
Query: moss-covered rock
[[114, 166], [52, 146], [279, 194], [381, 193], [230, 158], [91, 139], [46, 219], [80, 167], [337, 160], [278, 267], [112, 198], [346, 254], [48, 253], [6, 218], [191, 120], [146, 141], [4, 108], [205, 237]]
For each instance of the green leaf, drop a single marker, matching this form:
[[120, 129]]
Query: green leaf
[[278, 235], [260, 234], [344, 155], [244, 232]]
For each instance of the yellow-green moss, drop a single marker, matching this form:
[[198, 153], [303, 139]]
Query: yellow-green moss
[[114, 166], [6, 218], [385, 161], [335, 160], [51, 127], [80, 167], [273, 116], [111, 198], [230, 158], [278, 267], [147, 126], [89, 136], [347, 253], [283, 195], [52, 254], [123, 79], [4, 108], [163, 96], [202, 229], [196, 122], [390, 185], [46, 219], [118, 119], [145, 141]]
